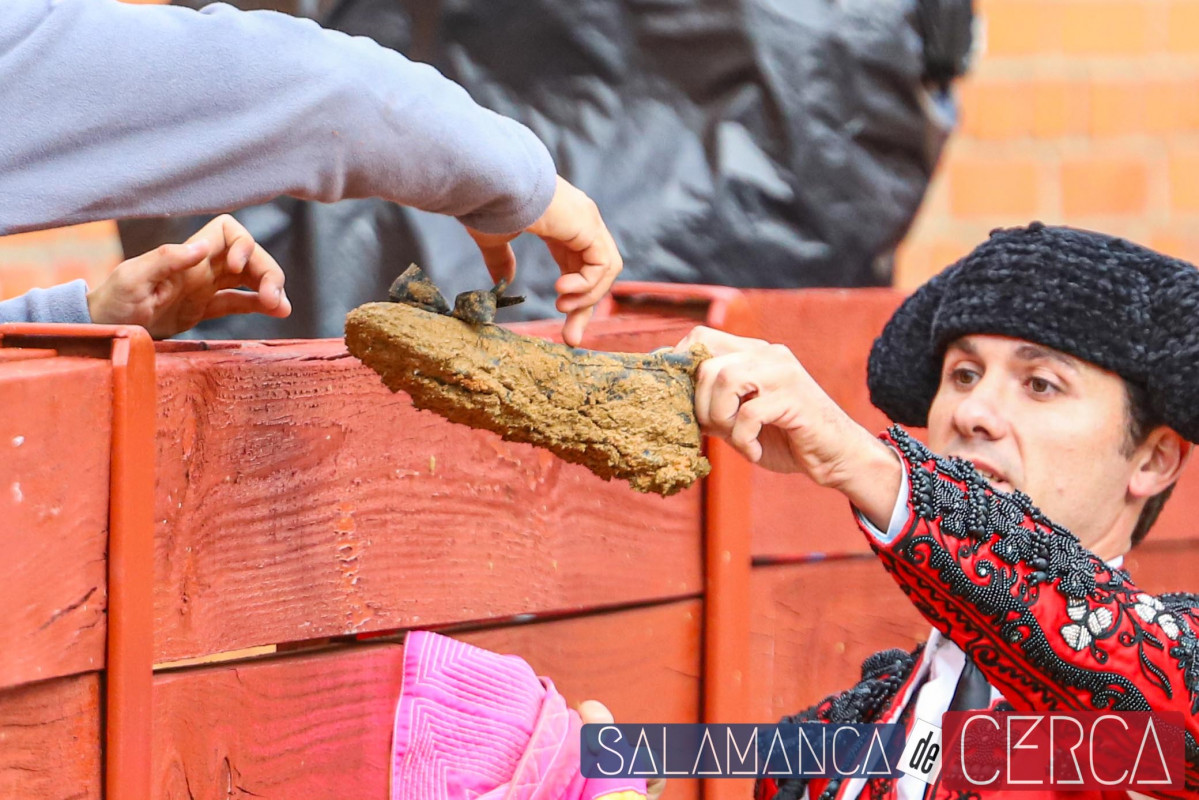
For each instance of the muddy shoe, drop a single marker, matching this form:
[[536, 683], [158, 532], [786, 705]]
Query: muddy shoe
[[622, 415]]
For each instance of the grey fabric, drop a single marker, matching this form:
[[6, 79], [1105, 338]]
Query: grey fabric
[[64, 303], [738, 142], [116, 110]]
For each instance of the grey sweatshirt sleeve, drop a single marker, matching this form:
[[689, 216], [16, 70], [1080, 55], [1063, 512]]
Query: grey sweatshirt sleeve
[[65, 303], [115, 110]]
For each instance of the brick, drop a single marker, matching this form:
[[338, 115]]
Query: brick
[[1185, 99], [913, 262], [993, 187], [1104, 185], [71, 269], [90, 231], [1184, 180], [920, 259], [1106, 27], [18, 278], [1163, 114], [1117, 108], [1021, 27], [1183, 23], [1177, 243], [1060, 108], [996, 110]]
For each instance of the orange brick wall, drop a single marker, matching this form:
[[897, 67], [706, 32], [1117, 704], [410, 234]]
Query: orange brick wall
[[1082, 112], [1079, 112], [45, 258]]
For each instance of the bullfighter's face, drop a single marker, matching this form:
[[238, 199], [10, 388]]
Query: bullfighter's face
[[1053, 426]]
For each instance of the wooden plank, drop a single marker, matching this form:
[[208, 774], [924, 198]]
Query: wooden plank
[[55, 424], [830, 331], [298, 499], [312, 726], [1165, 566], [812, 625], [1177, 520], [319, 726], [50, 746], [643, 664]]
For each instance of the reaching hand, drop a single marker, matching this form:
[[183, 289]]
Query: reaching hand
[[579, 241], [171, 288], [758, 397]]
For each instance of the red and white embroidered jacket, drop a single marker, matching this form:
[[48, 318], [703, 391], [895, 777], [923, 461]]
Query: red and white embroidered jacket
[[1052, 627]]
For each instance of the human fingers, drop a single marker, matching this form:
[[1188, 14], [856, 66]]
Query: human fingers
[[576, 323], [751, 417], [237, 301], [598, 266], [589, 284], [582, 246], [723, 384], [498, 257], [264, 275], [579, 308], [718, 342], [717, 392], [231, 244], [594, 712], [157, 265]]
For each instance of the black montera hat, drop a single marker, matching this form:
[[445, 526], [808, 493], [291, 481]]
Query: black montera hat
[[1115, 304]]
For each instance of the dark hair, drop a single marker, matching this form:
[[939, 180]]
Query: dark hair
[[1142, 421]]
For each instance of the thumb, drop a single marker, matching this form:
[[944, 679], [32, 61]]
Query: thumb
[[594, 712]]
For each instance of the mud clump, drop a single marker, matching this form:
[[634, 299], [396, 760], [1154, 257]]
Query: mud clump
[[621, 415]]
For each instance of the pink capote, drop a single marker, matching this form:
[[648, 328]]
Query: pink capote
[[472, 724]]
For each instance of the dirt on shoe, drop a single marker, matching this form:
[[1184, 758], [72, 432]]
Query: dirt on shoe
[[621, 415]]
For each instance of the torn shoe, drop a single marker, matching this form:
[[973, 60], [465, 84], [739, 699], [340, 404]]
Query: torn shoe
[[621, 415]]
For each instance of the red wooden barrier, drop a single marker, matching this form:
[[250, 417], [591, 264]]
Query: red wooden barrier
[[55, 427], [298, 503], [50, 740], [814, 623], [298, 499], [319, 725]]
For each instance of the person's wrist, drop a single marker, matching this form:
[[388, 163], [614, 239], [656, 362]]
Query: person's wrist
[[95, 307], [871, 478]]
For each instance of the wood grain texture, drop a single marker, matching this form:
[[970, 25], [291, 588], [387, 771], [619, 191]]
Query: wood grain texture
[[830, 331], [50, 740], [55, 423], [319, 726], [313, 726], [298, 499], [643, 664], [813, 624]]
